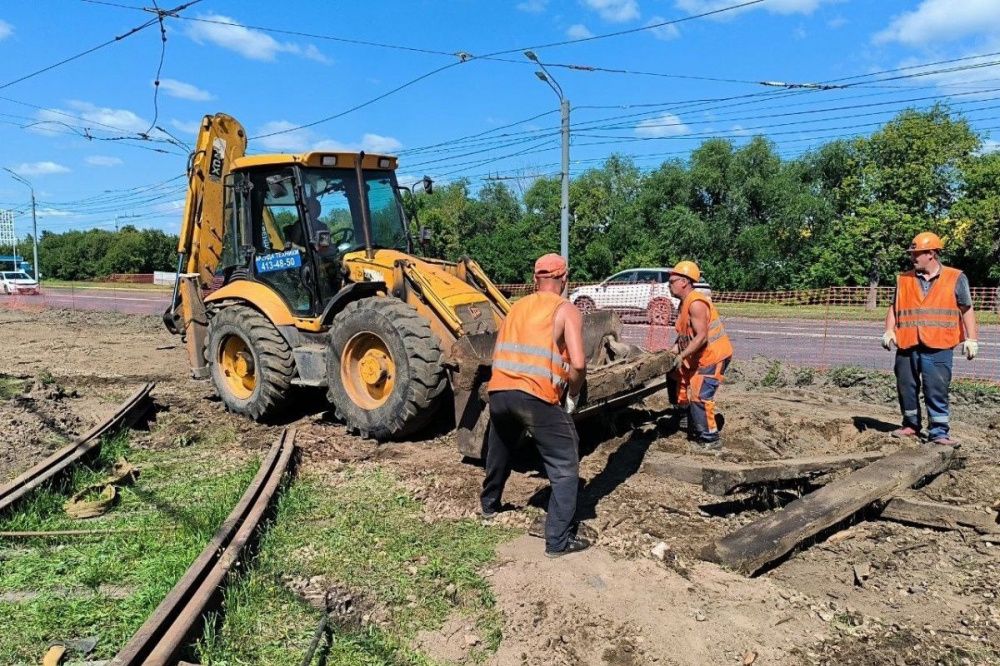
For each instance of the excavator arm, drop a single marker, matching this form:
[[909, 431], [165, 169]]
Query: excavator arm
[[221, 140]]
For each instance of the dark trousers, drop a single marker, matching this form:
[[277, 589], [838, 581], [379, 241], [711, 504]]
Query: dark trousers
[[511, 414], [930, 368]]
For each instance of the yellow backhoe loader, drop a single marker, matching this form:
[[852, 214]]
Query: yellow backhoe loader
[[299, 271]]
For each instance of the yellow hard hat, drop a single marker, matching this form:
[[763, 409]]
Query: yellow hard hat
[[926, 240], [688, 269]]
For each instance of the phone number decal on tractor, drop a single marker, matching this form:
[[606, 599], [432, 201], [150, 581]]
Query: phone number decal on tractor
[[279, 261]]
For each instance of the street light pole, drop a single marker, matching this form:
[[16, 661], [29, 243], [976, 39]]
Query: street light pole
[[546, 76], [34, 220]]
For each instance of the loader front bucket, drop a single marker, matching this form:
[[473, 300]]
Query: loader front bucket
[[618, 374]]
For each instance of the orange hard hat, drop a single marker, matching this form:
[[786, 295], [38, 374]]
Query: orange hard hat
[[926, 240], [688, 269]]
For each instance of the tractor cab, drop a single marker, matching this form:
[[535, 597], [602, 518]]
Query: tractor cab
[[290, 221]]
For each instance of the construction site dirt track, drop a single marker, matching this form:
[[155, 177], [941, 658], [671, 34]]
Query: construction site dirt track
[[928, 596]]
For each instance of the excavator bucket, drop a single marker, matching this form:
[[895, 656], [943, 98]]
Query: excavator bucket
[[617, 374]]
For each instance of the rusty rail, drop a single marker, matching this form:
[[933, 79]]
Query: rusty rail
[[163, 634], [126, 414]]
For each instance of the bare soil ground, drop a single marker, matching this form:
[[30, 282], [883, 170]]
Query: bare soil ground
[[930, 597]]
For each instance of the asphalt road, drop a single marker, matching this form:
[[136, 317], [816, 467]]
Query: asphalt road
[[808, 342]]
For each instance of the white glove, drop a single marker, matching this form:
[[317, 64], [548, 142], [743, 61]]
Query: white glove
[[889, 340], [571, 401], [971, 349]]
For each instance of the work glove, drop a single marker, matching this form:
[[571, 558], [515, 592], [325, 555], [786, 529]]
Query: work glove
[[971, 349], [675, 363], [571, 403], [888, 340]]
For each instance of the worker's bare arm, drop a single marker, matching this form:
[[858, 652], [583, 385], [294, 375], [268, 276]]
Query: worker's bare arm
[[569, 322], [699, 314]]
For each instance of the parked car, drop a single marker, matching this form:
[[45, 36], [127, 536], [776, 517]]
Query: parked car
[[636, 294], [17, 282]]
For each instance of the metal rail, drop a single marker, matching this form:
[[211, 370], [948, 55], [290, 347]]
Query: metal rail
[[126, 414], [164, 632]]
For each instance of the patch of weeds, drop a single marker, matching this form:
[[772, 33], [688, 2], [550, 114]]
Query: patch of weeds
[[219, 436], [10, 387], [46, 378], [846, 376], [974, 391], [65, 582], [364, 534], [773, 378], [804, 377]]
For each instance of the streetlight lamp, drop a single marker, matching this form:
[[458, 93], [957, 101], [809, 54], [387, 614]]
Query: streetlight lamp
[[547, 77], [34, 219]]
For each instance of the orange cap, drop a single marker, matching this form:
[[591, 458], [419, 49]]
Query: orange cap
[[551, 266], [688, 269], [926, 241]]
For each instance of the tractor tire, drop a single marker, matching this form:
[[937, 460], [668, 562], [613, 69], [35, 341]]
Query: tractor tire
[[384, 368], [252, 366]]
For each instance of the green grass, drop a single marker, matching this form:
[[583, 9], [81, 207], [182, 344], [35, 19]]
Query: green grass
[[10, 387], [83, 284], [365, 535], [833, 312], [65, 581]]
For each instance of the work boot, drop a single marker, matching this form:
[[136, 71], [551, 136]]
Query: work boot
[[574, 545], [904, 432], [707, 445]]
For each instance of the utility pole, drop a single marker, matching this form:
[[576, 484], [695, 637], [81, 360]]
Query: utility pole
[[546, 76], [34, 220]]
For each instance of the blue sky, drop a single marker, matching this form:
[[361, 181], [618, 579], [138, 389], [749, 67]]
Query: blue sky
[[274, 82]]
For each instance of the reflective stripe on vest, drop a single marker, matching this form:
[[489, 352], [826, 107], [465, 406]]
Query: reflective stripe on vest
[[933, 320], [717, 346], [526, 357]]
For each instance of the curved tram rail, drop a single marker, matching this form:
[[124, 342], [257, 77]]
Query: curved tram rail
[[126, 414], [164, 633]]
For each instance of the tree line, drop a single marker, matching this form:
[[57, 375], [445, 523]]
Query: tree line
[[841, 214], [85, 255]]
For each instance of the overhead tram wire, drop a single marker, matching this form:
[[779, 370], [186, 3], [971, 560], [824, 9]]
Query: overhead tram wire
[[92, 49], [464, 57]]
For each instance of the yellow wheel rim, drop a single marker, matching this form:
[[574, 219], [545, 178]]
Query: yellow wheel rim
[[238, 371], [367, 370]]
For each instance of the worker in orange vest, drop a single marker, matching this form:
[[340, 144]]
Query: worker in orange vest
[[539, 367], [932, 314], [703, 354]]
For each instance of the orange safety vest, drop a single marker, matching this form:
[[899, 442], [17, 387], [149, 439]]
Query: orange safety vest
[[934, 320], [526, 356], [717, 347]]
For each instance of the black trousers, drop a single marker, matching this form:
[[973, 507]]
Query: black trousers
[[511, 414]]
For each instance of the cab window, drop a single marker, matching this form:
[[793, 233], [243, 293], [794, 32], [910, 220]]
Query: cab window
[[627, 277]]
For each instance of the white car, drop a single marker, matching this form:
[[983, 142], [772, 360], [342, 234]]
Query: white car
[[17, 282], [637, 293]]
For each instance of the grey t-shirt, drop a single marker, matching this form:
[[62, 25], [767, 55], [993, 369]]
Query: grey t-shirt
[[962, 292]]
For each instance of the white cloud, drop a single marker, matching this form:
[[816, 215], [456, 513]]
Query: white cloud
[[191, 127], [533, 6], [942, 20], [229, 34], [103, 161], [664, 32], [120, 119], [40, 169], [615, 11], [739, 130], [182, 90], [578, 31], [989, 146], [304, 140], [666, 124], [773, 6], [973, 83], [836, 23], [6, 30], [53, 212]]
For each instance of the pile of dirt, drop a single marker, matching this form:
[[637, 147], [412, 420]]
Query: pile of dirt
[[36, 421]]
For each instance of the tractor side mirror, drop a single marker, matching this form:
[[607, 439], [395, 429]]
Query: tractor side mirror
[[425, 234], [428, 184]]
